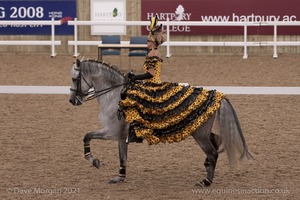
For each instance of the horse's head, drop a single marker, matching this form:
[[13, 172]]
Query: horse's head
[[99, 77], [80, 86]]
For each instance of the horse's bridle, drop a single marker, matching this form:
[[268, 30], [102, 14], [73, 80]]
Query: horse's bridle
[[78, 92], [91, 94]]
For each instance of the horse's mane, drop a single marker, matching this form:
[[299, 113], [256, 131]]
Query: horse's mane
[[93, 67]]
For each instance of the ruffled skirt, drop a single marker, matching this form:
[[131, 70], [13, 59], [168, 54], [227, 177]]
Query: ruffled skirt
[[168, 112]]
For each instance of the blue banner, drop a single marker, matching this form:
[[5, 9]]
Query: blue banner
[[63, 10]]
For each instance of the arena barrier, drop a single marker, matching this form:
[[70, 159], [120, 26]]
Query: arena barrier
[[51, 42], [245, 44], [235, 90], [275, 43]]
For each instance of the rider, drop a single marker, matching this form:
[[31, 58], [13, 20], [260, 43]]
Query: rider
[[163, 111], [152, 65]]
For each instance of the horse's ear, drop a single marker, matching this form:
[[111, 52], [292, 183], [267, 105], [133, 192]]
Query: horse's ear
[[77, 63]]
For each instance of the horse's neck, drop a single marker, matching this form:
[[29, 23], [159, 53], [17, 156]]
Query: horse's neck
[[108, 107], [109, 100]]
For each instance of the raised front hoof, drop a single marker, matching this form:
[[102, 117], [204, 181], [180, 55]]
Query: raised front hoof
[[116, 179], [96, 163], [203, 183]]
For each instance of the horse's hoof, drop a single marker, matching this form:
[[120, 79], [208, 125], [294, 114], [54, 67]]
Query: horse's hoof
[[203, 183], [96, 163], [116, 180]]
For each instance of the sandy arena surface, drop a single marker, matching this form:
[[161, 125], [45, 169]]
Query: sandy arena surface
[[42, 149]]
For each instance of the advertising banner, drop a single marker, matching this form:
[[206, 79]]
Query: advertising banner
[[108, 11], [224, 11], [63, 10]]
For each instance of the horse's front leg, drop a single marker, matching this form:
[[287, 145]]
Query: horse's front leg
[[123, 149], [100, 134]]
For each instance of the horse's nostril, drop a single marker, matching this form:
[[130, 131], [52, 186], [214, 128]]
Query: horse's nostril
[[70, 101]]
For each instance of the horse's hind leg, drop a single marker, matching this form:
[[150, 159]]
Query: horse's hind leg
[[211, 163], [215, 143], [215, 140], [210, 160], [209, 144]]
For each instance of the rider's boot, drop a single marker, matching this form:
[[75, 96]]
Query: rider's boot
[[132, 136]]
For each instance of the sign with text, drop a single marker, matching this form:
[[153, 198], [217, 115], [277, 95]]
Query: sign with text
[[63, 10], [224, 11], [108, 11]]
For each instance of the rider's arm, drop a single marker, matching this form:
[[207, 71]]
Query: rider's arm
[[146, 75]]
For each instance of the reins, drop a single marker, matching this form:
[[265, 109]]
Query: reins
[[94, 94]]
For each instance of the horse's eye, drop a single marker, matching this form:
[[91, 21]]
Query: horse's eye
[[74, 79]]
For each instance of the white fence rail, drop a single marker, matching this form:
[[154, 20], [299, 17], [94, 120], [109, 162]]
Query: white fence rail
[[275, 43], [245, 44], [51, 42], [13, 89]]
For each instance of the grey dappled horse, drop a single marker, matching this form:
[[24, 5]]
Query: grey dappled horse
[[107, 84]]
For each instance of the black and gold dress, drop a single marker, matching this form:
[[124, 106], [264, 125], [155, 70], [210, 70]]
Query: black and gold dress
[[164, 111]]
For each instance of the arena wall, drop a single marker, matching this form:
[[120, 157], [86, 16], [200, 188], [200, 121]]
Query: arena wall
[[134, 13]]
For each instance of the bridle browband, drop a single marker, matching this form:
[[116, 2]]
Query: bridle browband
[[92, 94]]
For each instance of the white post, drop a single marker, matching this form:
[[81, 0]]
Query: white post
[[245, 41], [168, 39], [275, 40], [53, 54], [76, 54]]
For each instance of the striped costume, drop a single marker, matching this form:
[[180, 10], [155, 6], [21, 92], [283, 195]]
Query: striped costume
[[164, 111]]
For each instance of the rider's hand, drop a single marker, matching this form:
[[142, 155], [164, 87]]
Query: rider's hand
[[131, 75]]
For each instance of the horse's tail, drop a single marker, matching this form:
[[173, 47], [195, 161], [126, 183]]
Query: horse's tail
[[232, 138]]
